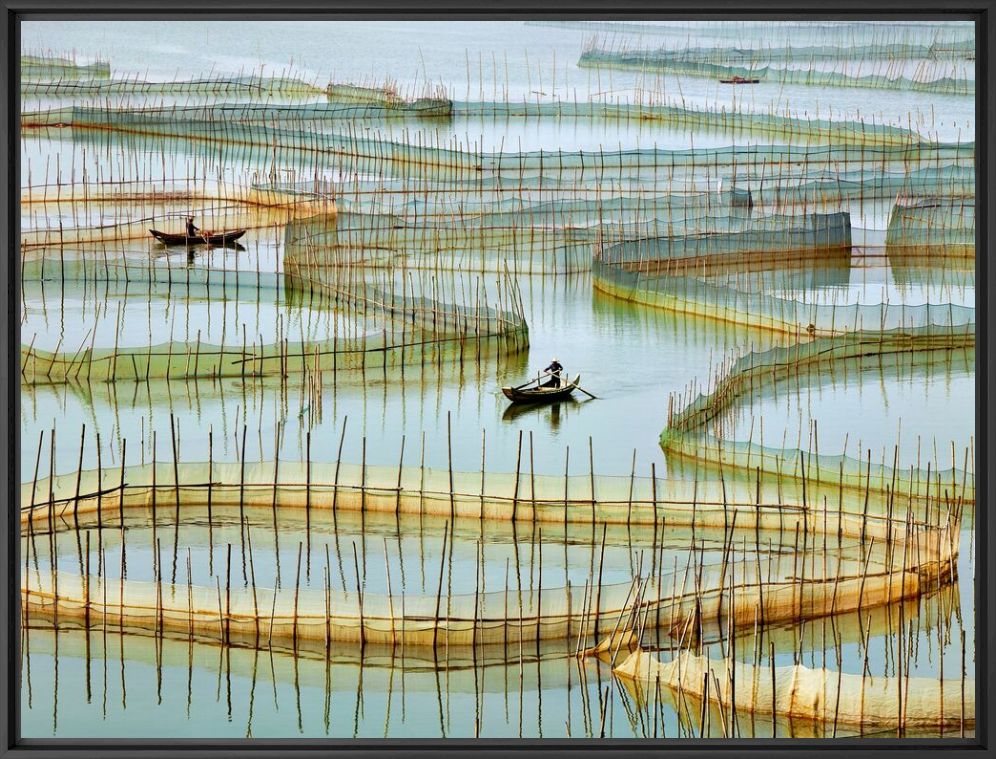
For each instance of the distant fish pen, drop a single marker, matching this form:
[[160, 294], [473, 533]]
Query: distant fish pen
[[889, 67], [34, 68]]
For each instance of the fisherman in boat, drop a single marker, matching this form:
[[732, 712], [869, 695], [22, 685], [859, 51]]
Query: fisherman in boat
[[192, 231], [554, 370]]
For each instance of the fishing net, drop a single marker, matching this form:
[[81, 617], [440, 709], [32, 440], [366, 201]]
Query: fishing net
[[738, 593], [42, 67], [353, 154], [728, 121], [80, 85], [815, 188], [519, 496], [95, 221], [798, 692], [887, 51], [397, 325], [653, 272], [695, 430], [932, 80], [933, 225]]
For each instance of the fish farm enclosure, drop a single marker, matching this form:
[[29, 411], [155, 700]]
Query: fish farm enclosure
[[261, 461]]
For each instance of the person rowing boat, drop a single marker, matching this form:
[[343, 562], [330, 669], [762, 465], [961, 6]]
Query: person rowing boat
[[554, 370]]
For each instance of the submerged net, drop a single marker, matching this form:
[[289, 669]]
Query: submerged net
[[902, 559], [507, 616], [526, 496], [963, 49]]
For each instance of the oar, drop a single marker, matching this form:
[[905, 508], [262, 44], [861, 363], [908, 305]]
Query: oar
[[578, 387], [529, 383]]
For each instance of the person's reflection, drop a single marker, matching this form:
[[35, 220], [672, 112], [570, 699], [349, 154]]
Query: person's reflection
[[555, 417]]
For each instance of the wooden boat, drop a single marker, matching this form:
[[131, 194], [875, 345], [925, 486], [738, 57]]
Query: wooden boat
[[217, 238], [541, 394], [739, 80]]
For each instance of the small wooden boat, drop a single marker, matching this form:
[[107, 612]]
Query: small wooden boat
[[541, 394], [739, 80], [215, 238]]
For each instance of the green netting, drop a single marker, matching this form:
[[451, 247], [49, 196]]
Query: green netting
[[948, 181], [653, 61], [653, 272], [246, 86], [35, 67], [494, 205], [387, 95], [722, 120], [548, 198], [729, 55], [549, 237], [352, 154], [410, 328], [690, 432], [933, 222]]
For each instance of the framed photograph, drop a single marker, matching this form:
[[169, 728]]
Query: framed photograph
[[549, 378]]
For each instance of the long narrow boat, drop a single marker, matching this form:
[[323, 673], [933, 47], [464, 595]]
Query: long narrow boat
[[218, 238], [541, 394], [739, 80]]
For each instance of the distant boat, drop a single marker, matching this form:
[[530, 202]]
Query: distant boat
[[541, 394], [739, 80], [218, 238]]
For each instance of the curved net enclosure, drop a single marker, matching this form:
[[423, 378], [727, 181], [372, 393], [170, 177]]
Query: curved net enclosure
[[661, 272], [885, 559], [179, 119], [379, 324], [695, 428]]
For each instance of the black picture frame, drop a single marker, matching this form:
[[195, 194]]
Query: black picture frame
[[983, 12]]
